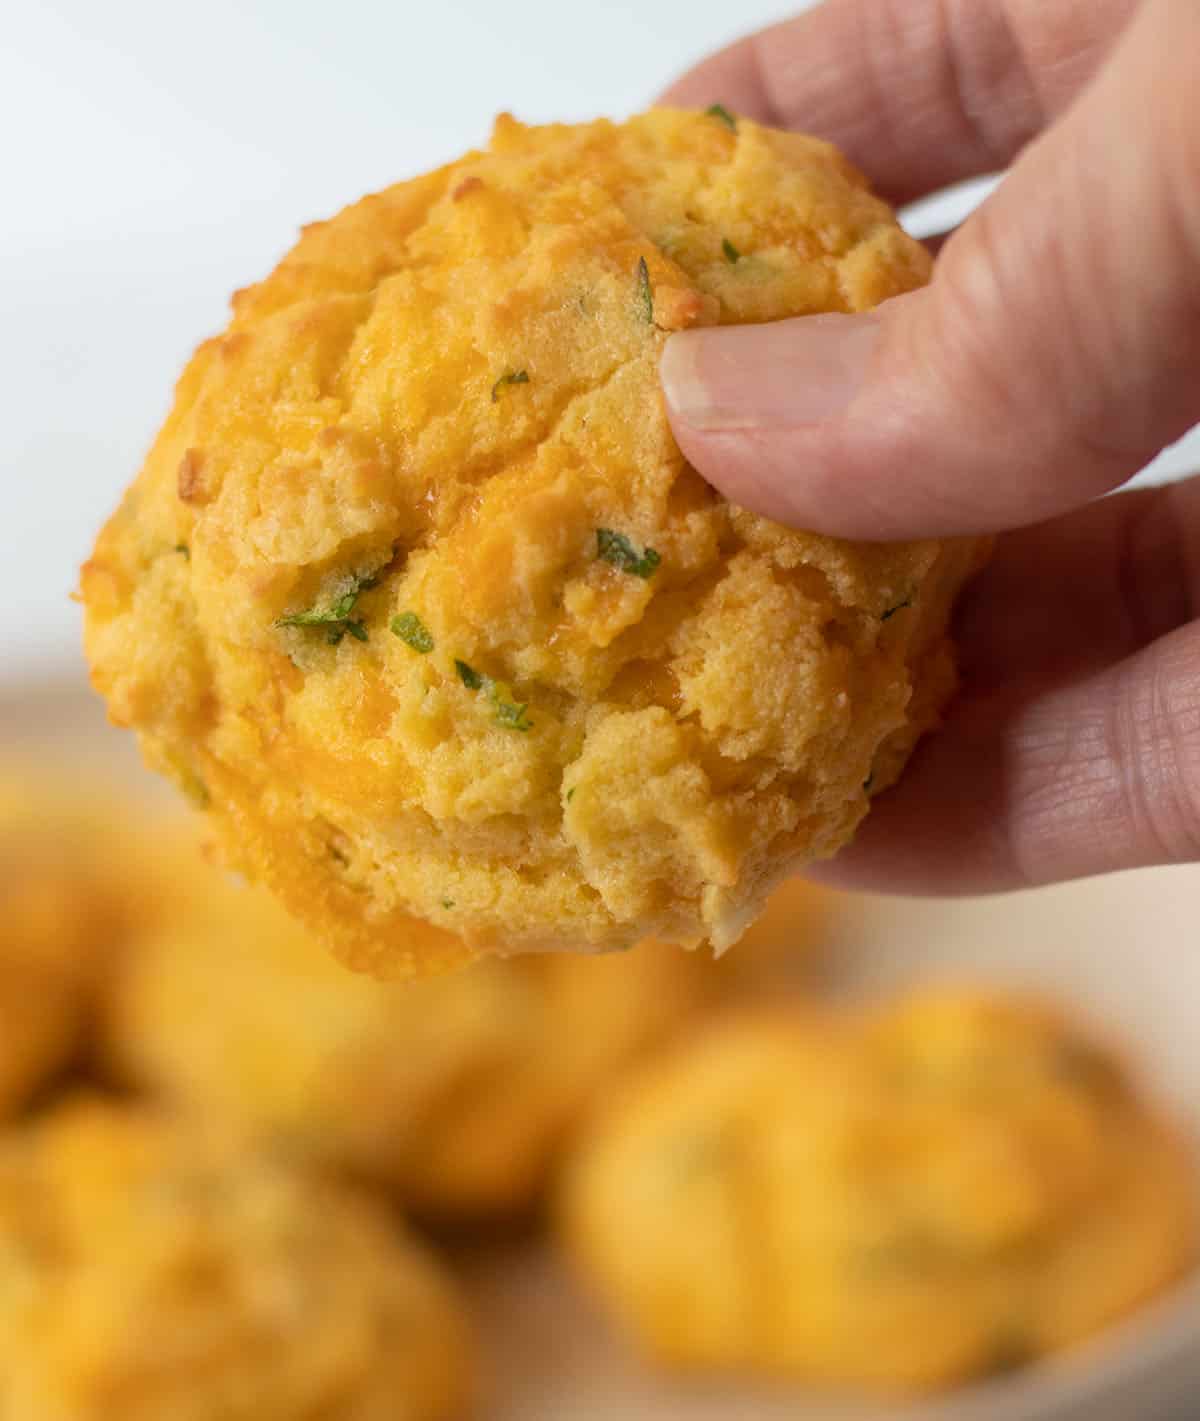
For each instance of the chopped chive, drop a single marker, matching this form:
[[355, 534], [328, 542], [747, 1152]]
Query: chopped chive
[[510, 377], [571, 793], [732, 255], [336, 616], [721, 113], [645, 294], [899, 607], [413, 632], [184, 551], [508, 712], [194, 788], [616, 548], [1010, 1352]]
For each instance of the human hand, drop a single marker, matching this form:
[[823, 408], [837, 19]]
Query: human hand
[[1056, 351]]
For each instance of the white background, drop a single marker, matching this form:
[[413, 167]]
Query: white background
[[156, 156]]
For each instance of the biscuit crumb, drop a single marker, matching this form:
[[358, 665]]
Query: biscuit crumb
[[465, 188], [678, 308], [190, 478]]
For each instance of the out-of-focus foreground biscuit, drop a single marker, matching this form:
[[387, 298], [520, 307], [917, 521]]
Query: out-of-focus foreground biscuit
[[455, 1091], [154, 1274], [957, 1186], [416, 593]]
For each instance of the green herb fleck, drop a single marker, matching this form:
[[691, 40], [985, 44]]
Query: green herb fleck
[[184, 551], [699, 1152], [908, 1252], [470, 678], [194, 787], [510, 377], [447, 902], [721, 113], [732, 255], [645, 294], [413, 632], [571, 793], [336, 616], [509, 712], [1011, 1351], [1086, 1067], [618, 550], [899, 607]]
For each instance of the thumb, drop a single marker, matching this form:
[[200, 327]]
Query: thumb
[[1055, 352]]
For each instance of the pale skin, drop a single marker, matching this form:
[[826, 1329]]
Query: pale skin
[[1056, 351]]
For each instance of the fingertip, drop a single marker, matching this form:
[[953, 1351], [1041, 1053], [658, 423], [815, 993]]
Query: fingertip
[[772, 377], [747, 405], [677, 370], [718, 442]]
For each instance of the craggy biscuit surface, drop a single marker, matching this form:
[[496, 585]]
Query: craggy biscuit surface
[[455, 1091], [151, 1273], [416, 592], [957, 1186]]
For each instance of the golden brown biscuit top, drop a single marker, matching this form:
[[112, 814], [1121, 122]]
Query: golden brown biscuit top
[[416, 590]]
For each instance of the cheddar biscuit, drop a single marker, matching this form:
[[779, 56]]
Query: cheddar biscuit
[[416, 594], [455, 1092], [66, 901], [154, 1273], [957, 1185]]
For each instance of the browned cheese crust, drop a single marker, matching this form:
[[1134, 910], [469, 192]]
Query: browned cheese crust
[[416, 593]]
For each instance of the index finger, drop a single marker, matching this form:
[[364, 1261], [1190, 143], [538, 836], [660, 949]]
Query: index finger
[[917, 93]]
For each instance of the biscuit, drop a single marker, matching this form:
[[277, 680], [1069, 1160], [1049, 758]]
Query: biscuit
[[154, 1273], [65, 904], [954, 1187], [455, 1092], [417, 595]]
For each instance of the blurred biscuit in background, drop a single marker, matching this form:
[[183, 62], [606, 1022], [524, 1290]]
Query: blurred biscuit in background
[[455, 1091], [67, 899], [153, 1272], [458, 1091], [954, 1185], [457, 1094]]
